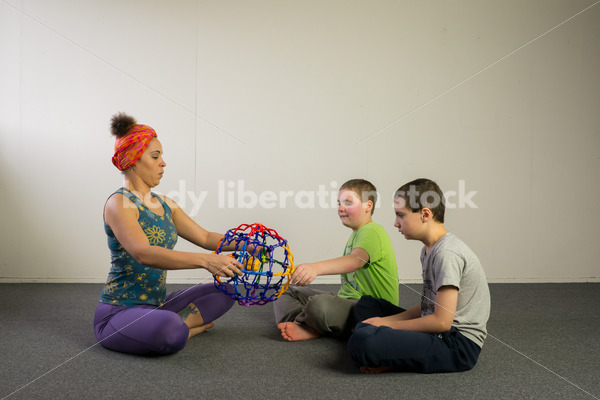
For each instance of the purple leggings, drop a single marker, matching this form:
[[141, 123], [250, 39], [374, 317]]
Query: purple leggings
[[146, 329]]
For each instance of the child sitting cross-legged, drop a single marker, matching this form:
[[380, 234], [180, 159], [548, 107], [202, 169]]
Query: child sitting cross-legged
[[368, 266], [445, 332]]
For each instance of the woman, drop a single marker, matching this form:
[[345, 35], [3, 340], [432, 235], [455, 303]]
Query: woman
[[134, 314]]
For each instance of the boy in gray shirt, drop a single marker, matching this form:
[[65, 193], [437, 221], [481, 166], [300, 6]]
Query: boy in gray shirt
[[446, 331]]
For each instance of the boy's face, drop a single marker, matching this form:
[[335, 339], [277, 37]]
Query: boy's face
[[409, 223], [352, 211]]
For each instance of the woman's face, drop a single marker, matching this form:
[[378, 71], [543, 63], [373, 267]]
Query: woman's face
[[150, 167]]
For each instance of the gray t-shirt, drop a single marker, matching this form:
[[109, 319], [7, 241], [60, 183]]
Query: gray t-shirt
[[450, 262]]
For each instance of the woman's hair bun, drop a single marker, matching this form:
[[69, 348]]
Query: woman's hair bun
[[120, 124]]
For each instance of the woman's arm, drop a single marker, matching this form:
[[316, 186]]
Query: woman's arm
[[122, 217], [188, 229], [438, 322]]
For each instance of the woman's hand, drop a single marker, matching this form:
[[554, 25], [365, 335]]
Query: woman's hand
[[223, 265], [256, 250]]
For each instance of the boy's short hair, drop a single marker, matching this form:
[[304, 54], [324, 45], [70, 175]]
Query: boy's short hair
[[423, 193], [364, 189]]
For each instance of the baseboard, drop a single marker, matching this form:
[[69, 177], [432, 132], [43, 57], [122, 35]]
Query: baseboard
[[321, 280]]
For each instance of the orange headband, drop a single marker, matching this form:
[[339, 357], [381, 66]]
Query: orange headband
[[129, 148]]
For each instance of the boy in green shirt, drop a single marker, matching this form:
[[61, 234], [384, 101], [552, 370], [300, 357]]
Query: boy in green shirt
[[368, 266]]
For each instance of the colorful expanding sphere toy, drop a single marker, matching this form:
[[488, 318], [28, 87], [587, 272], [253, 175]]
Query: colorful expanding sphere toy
[[267, 260]]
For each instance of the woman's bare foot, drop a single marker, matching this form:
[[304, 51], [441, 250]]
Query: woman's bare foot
[[199, 329], [294, 332], [193, 319], [374, 370]]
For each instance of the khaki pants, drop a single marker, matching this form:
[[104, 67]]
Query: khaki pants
[[323, 311]]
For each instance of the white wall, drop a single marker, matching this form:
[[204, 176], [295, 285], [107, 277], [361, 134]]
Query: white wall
[[301, 96]]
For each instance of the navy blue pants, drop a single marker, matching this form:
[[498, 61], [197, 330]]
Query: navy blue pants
[[373, 346]]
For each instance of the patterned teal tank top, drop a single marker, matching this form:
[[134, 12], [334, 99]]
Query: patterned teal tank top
[[130, 283]]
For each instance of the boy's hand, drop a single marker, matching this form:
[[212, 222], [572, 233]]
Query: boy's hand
[[304, 274], [375, 321]]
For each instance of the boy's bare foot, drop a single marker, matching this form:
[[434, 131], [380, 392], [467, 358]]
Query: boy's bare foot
[[294, 332], [199, 329], [374, 370]]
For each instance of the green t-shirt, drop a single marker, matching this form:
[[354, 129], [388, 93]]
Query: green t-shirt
[[379, 276]]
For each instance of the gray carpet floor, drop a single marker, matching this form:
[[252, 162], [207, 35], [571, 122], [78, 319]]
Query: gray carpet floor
[[543, 343]]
